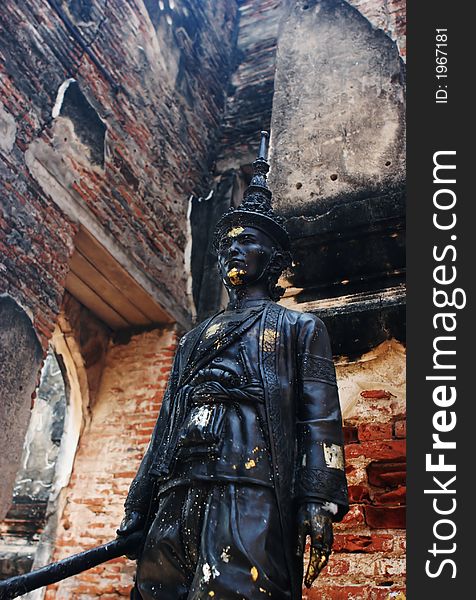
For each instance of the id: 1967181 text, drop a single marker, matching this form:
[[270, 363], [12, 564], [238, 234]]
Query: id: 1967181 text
[[441, 66]]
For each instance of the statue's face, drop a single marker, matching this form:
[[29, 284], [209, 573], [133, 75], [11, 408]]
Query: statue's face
[[244, 255]]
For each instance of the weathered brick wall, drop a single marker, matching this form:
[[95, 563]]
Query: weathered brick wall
[[109, 453], [156, 81], [368, 562]]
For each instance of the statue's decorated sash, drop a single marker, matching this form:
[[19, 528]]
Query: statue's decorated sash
[[197, 351]]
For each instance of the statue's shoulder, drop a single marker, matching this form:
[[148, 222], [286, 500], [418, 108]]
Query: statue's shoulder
[[303, 319], [310, 331]]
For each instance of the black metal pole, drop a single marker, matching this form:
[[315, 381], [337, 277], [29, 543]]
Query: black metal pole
[[17, 586]]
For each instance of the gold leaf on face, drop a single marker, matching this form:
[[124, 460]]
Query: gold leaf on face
[[234, 275], [235, 232]]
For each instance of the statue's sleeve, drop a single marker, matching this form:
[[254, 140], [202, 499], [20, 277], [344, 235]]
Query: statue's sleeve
[[141, 488], [320, 475]]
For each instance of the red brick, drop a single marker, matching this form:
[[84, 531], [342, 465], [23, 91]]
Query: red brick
[[362, 543], [385, 518], [125, 474], [350, 434], [349, 469], [354, 517], [337, 566], [375, 431], [392, 449], [100, 486], [353, 592], [388, 593], [358, 494], [394, 497], [143, 440], [387, 473], [333, 592], [377, 394], [88, 577]]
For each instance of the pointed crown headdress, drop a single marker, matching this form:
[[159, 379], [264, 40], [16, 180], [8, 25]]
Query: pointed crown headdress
[[256, 209]]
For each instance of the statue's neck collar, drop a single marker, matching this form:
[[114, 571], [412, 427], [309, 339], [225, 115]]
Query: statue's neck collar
[[241, 303]]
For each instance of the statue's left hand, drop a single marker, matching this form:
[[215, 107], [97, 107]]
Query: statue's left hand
[[316, 522], [132, 521]]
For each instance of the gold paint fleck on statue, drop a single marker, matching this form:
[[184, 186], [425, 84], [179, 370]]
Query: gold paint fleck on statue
[[213, 329], [235, 276], [269, 339], [235, 232]]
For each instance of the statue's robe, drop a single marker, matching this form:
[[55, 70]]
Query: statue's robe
[[302, 417]]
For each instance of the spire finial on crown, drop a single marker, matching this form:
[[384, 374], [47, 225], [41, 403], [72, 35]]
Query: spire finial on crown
[[259, 182], [263, 146]]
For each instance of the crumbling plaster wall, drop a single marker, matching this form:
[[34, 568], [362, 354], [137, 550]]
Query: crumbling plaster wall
[[389, 16], [25, 520], [338, 124], [61, 410]]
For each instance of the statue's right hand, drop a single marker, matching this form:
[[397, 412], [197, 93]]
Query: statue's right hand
[[132, 521]]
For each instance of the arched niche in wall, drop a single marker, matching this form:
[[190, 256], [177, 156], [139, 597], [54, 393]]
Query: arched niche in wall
[[25, 520], [29, 530], [73, 368], [20, 363]]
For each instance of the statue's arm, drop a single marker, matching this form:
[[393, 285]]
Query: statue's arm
[[320, 475], [321, 487]]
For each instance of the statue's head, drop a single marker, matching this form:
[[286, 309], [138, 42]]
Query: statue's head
[[251, 241]]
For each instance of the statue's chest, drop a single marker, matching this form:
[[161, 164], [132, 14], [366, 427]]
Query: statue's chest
[[238, 356]]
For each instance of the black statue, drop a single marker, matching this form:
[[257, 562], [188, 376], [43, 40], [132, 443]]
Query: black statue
[[246, 459]]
